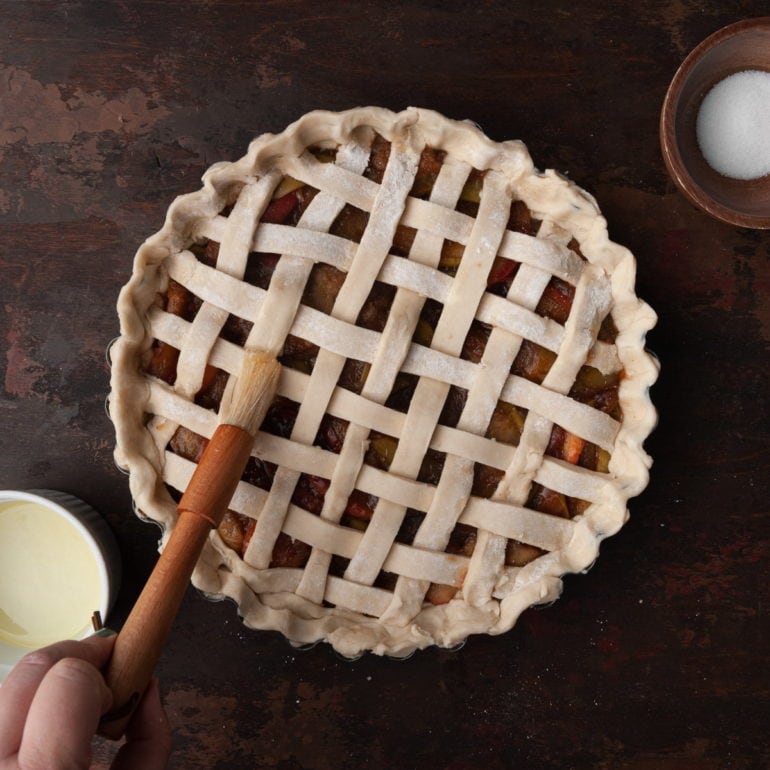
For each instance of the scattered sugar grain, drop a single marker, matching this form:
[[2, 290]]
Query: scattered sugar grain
[[733, 125]]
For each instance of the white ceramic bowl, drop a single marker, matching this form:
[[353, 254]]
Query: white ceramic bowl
[[59, 563]]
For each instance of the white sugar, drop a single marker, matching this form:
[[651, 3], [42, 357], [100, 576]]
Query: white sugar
[[733, 125]]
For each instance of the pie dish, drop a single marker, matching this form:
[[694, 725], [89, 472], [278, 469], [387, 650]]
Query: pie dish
[[464, 392]]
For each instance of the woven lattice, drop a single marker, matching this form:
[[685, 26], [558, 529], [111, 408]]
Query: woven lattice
[[364, 583]]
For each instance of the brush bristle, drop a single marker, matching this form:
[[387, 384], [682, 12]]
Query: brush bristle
[[248, 397]]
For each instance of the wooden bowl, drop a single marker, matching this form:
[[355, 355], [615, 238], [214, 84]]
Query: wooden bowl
[[738, 47]]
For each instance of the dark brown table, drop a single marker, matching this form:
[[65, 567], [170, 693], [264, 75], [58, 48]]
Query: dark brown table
[[658, 658]]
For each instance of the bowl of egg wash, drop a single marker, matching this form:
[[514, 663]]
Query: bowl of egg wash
[[715, 125], [59, 567]]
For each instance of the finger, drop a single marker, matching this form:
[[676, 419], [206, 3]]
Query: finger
[[63, 716], [148, 736], [21, 684]]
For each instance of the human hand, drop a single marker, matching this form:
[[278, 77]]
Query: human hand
[[51, 703]]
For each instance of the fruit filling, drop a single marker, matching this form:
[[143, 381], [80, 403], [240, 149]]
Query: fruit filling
[[532, 362]]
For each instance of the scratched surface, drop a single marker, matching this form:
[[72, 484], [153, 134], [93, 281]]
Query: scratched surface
[[658, 658]]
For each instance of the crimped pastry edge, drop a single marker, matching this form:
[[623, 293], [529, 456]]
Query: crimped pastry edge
[[548, 195]]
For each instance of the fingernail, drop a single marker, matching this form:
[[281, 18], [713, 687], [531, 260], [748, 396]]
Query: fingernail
[[105, 632]]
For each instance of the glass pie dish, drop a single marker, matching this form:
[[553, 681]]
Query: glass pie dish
[[464, 392]]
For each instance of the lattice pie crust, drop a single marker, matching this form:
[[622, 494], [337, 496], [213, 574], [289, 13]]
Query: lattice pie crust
[[364, 584]]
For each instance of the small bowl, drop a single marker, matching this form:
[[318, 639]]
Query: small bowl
[[59, 563], [738, 47]]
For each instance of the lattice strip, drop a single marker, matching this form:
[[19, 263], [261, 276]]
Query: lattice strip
[[563, 477], [234, 249], [319, 216], [245, 301], [547, 256], [231, 260], [393, 347], [375, 244], [575, 417], [329, 536], [457, 477], [488, 556], [428, 399], [588, 308]]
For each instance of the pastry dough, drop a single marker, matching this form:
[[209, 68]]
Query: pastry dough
[[362, 582]]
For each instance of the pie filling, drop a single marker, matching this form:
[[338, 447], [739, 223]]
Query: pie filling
[[592, 387]]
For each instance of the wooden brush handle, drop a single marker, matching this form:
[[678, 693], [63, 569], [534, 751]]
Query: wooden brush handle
[[217, 475], [141, 640]]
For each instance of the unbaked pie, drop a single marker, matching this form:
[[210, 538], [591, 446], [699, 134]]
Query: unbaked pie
[[464, 389]]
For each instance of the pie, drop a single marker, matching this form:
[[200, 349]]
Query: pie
[[463, 397]]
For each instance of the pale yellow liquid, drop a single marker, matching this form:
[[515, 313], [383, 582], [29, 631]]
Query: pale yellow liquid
[[49, 577]]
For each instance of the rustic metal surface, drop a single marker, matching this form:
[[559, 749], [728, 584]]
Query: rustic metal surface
[[658, 658]]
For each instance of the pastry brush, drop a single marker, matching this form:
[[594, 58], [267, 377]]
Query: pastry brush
[[140, 641]]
